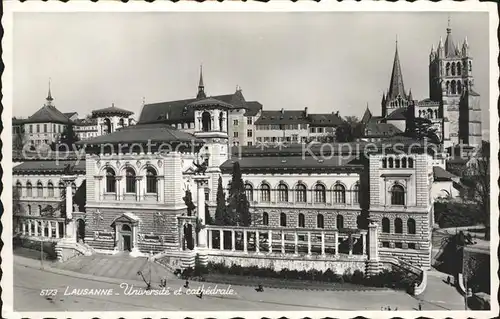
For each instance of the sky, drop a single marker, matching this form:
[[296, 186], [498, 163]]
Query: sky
[[326, 61]]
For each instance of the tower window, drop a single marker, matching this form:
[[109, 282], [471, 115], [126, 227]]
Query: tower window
[[206, 122], [448, 68]]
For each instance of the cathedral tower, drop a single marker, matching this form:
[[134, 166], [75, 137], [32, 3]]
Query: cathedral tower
[[451, 83]]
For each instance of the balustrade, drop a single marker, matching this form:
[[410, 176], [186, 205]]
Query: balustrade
[[42, 227]]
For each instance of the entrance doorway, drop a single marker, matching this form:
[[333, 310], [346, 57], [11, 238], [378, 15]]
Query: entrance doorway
[[126, 238]]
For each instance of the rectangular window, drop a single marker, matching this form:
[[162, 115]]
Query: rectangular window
[[259, 139], [295, 137], [38, 128], [288, 138], [235, 134], [235, 122], [312, 130], [249, 133], [45, 128], [398, 245], [385, 244], [249, 143], [31, 128], [320, 130], [249, 120]]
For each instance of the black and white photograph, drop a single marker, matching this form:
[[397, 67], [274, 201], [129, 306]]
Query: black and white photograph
[[295, 159]]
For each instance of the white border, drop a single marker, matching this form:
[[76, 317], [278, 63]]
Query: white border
[[10, 7]]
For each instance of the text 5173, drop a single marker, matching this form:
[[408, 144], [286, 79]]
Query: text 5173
[[48, 292]]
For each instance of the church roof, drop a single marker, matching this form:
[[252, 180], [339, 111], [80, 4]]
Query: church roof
[[398, 114], [154, 133], [48, 114], [396, 86], [112, 110]]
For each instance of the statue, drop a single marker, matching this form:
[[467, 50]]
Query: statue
[[200, 168], [75, 208]]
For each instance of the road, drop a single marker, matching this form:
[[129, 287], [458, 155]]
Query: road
[[29, 283]]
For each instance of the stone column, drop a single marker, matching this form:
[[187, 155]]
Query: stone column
[[233, 240], [322, 243], [309, 243], [296, 235], [138, 188], [350, 242], [245, 239], [70, 226], [36, 228], [202, 182], [372, 265], [270, 240], [209, 233], [221, 239], [29, 227], [257, 244], [336, 244], [181, 234], [57, 229], [24, 227], [282, 242], [50, 229], [363, 236]]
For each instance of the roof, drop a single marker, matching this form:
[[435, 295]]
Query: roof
[[253, 108], [55, 167], [46, 155], [443, 175], [48, 114], [316, 148], [396, 87], [294, 163], [380, 130], [16, 121], [111, 110], [70, 114], [450, 50], [398, 114], [367, 116], [282, 117], [154, 133], [329, 119], [183, 111]]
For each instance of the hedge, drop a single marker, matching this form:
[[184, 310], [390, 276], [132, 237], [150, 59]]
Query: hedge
[[395, 278]]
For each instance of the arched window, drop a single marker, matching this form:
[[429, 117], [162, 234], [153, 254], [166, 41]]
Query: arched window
[[320, 221], [301, 193], [384, 162], [391, 162], [398, 226], [50, 188], [430, 113], [411, 226], [151, 178], [221, 122], [283, 220], [107, 126], [39, 189], [459, 87], [206, 121], [129, 180], [39, 210], [319, 193], [447, 86], [403, 162], [448, 68], [470, 66], [249, 192], [386, 225], [282, 193], [110, 181], [265, 193], [453, 87], [459, 68], [339, 193], [126, 227], [19, 188], [397, 195], [355, 193], [340, 221], [121, 123], [302, 220], [410, 162], [28, 207], [453, 70], [436, 114], [397, 163], [265, 219]]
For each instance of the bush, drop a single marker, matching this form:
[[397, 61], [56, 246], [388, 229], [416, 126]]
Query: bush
[[357, 277]]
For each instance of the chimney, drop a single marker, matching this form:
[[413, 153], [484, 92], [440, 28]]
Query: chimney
[[282, 111], [305, 111]]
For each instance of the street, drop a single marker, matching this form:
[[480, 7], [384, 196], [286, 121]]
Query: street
[[30, 283]]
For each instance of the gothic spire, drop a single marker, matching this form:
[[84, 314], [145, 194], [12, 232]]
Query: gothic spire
[[449, 46], [201, 86], [49, 96], [396, 87]]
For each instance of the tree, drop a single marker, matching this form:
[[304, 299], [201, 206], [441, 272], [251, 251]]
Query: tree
[[18, 140], [238, 205], [16, 207], [420, 128], [68, 136], [348, 130], [477, 181], [220, 210]]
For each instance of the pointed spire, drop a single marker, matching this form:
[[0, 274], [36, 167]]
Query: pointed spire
[[49, 95], [410, 97], [396, 86], [449, 46], [367, 115], [465, 48], [201, 86]]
